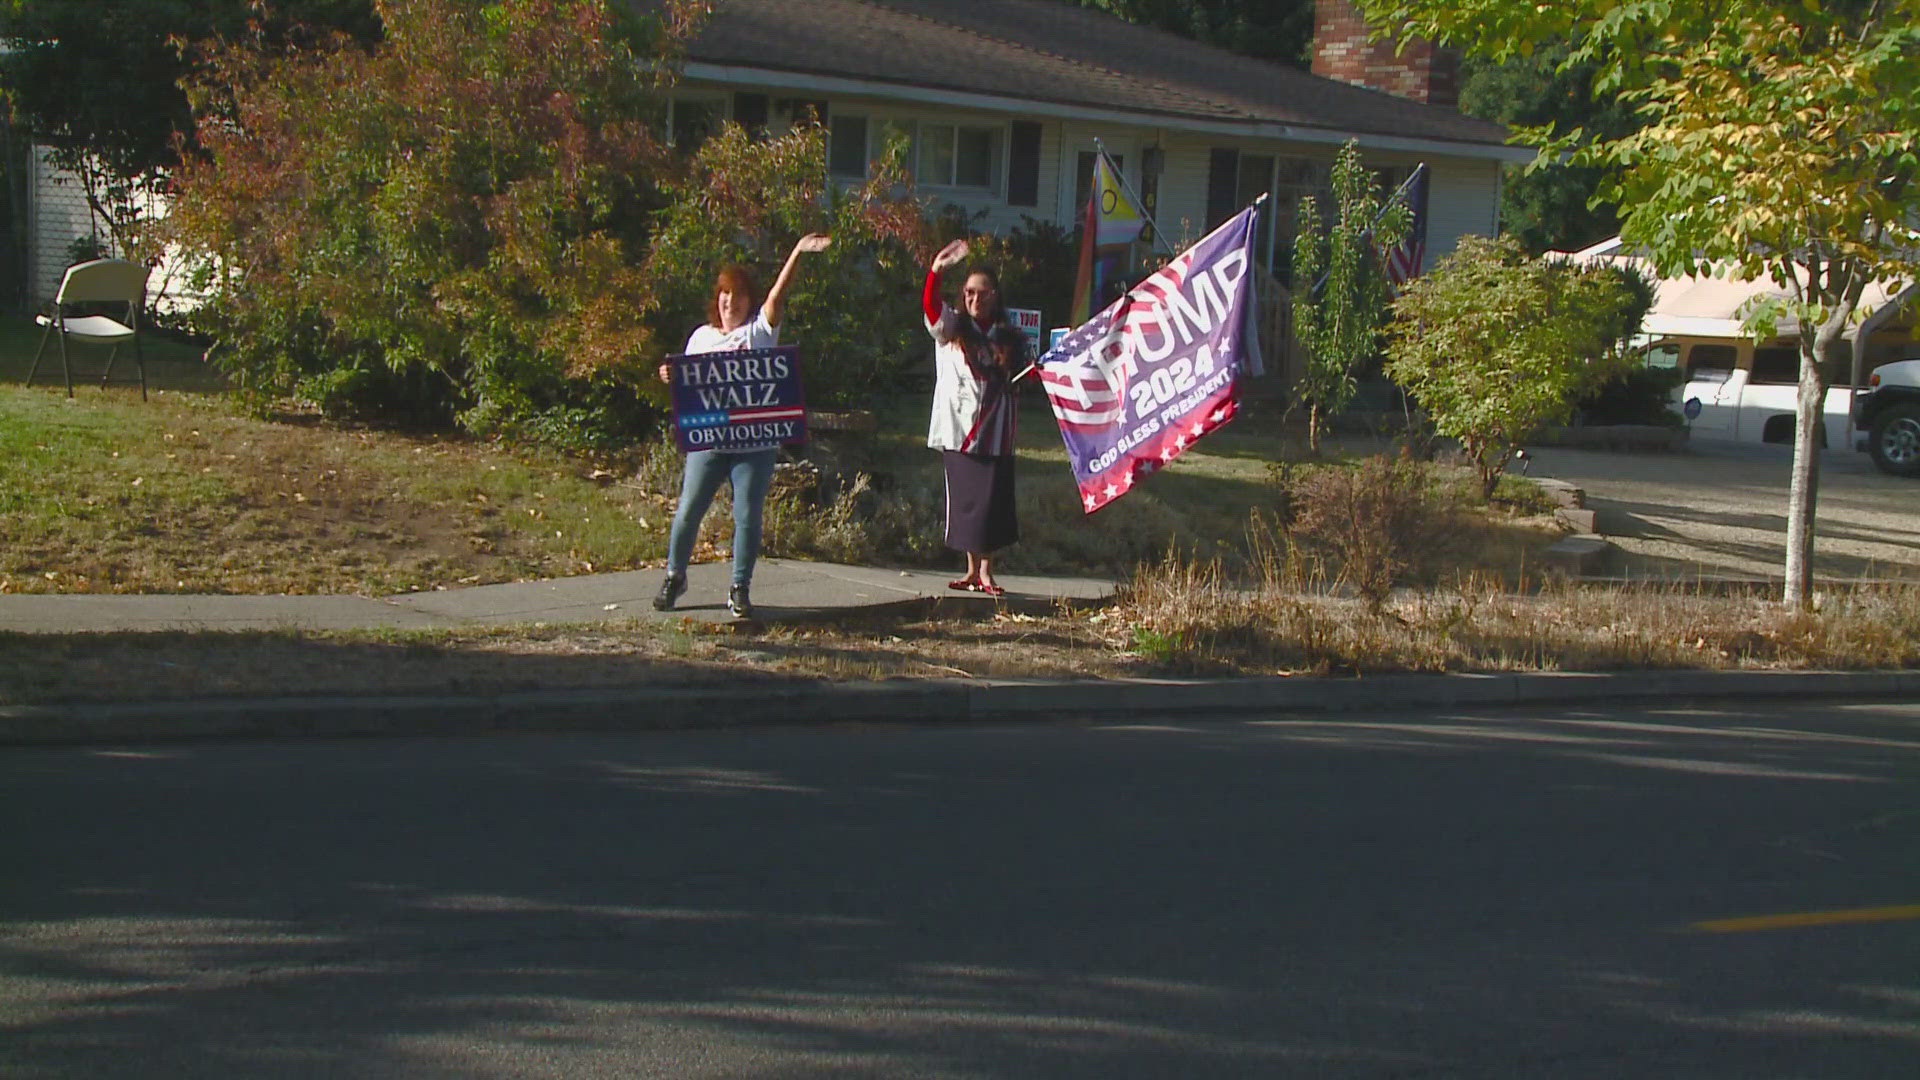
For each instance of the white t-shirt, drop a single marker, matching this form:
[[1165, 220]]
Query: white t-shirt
[[956, 393], [755, 333]]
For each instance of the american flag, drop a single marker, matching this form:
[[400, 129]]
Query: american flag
[[1136, 385], [1086, 374], [1083, 376], [1403, 260]]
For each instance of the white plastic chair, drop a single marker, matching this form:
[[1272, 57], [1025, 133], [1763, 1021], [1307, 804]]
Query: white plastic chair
[[102, 283]]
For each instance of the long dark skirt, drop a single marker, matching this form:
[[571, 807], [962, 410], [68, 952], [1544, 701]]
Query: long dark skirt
[[980, 503]]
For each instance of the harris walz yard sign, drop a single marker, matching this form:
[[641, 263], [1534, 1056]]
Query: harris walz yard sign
[[747, 400]]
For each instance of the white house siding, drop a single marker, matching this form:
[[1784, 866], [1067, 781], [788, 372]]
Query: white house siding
[[58, 214], [1183, 189], [1461, 201], [882, 112]]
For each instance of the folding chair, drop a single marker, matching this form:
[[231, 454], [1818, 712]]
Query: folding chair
[[91, 286]]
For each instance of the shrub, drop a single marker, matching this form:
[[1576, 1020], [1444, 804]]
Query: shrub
[[1641, 395], [459, 206], [853, 309], [476, 220], [1493, 344], [1379, 521], [1037, 261]]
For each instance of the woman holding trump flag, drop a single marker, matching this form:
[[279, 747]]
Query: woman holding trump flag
[[976, 355], [733, 324]]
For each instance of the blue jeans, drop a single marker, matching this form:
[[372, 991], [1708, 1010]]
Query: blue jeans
[[750, 472]]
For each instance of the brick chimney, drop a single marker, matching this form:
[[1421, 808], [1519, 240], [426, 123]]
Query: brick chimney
[[1341, 51]]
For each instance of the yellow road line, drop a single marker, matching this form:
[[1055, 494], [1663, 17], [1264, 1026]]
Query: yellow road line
[[1808, 918]]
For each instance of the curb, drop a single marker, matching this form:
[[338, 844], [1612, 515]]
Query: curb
[[933, 701]]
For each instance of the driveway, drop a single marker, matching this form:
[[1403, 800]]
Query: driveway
[[1720, 509]]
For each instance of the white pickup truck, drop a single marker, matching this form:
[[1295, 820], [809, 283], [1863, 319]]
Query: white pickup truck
[[1888, 410]]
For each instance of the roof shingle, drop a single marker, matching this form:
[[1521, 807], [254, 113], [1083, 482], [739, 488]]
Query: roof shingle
[[1046, 51]]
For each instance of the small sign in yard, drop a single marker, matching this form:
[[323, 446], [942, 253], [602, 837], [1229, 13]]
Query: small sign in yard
[[745, 400], [1027, 321]]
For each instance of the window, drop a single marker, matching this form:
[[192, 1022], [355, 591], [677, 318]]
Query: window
[[750, 112], [973, 157], [1236, 178], [1777, 365], [1663, 357], [847, 147], [1711, 363], [957, 155], [1293, 180]]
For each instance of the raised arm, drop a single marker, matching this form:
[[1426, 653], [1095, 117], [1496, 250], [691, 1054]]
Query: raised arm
[[776, 302], [950, 256]]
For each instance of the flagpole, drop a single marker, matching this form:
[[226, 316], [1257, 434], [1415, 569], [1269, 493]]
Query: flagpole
[[1121, 175]]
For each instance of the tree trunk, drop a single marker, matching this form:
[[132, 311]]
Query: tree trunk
[[1804, 490], [1313, 428], [1803, 493]]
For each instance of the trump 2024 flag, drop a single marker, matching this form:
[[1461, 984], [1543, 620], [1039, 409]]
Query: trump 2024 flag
[[1140, 382]]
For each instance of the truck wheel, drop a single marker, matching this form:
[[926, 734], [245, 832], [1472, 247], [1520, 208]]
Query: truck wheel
[[1895, 439]]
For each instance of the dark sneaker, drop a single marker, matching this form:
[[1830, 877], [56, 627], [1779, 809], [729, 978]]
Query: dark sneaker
[[738, 603], [670, 590]]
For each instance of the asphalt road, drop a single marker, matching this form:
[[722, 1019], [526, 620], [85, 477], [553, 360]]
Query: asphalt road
[[1472, 895]]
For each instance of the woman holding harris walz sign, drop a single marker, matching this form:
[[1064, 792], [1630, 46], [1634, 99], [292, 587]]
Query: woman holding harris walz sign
[[733, 324], [976, 356]]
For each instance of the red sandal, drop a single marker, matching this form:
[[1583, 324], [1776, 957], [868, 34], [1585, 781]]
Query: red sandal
[[964, 585]]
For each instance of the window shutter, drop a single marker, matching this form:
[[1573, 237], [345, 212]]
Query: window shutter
[[1023, 164], [750, 112], [1223, 175]]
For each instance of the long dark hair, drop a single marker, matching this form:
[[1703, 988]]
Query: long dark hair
[[1006, 339]]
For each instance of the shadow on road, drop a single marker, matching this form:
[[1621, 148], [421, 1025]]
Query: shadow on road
[[1480, 894]]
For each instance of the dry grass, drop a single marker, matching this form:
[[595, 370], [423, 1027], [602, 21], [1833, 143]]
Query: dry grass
[[1176, 619], [1192, 616]]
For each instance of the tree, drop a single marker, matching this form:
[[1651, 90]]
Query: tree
[[448, 221], [1549, 205], [857, 308], [97, 81], [1781, 138], [1493, 343], [477, 219], [1340, 292]]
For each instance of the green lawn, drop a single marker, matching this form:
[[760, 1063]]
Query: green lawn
[[105, 493]]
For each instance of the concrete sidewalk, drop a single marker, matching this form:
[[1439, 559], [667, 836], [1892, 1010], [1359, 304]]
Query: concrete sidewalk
[[783, 589]]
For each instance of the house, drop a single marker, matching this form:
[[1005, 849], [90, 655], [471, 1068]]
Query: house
[[1746, 389], [1004, 101]]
